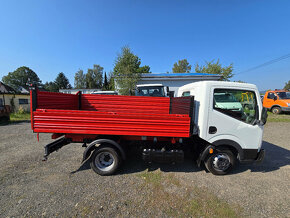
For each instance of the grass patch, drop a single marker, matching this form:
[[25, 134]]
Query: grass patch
[[179, 200], [15, 118], [153, 178], [19, 117], [278, 117]]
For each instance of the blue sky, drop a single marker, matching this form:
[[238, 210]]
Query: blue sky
[[66, 35]]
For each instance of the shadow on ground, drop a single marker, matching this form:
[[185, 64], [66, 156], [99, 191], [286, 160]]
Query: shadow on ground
[[9, 122], [135, 164], [276, 157]]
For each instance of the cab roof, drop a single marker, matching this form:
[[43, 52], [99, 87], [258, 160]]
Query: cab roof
[[146, 85]]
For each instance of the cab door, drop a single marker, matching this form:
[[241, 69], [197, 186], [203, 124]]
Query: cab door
[[269, 100], [236, 119]]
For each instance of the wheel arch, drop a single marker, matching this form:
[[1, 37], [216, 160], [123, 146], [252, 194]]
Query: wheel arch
[[275, 105], [232, 145], [99, 142]]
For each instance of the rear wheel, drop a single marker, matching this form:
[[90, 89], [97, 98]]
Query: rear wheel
[[276, 110], [105, 160], [220, 163]]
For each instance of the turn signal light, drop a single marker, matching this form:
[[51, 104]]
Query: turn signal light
[[210, 150]]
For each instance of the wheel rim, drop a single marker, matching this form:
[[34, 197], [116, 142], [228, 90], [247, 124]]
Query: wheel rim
[[221, 162], [104, 161], [275, 111]]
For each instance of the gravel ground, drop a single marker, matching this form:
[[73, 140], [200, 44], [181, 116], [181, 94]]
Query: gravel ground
[[59, 186], [262, 190]]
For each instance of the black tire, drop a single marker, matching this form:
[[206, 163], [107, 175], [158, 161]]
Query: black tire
[[105, 160], [276, 110], [224, 165]]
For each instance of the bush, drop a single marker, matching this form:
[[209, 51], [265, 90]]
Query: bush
[[21, 110]]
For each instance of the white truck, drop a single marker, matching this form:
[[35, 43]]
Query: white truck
[[105, 92], [152, 90], [164, 128]]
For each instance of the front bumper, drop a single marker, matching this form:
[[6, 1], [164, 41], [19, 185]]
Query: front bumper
[[252, 155], [260, 156], [286, 109]]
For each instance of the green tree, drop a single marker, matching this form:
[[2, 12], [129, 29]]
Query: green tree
[[106, 83], [80, 80], [213, 67], [50, 86], [111, 82], [144, 69], [287, 86], [94, 77], [127, 71], [62, 82], [182, 66], [20, 77]]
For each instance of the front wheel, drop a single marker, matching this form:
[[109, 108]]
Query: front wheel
[[276, 110], [220, 163], [105, 160]]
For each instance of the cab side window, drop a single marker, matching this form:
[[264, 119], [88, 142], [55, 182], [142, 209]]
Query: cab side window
[[271, 95], [239, 104], [184, 94]]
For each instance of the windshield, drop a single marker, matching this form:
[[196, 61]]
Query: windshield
[[150, 91], [283, 95]]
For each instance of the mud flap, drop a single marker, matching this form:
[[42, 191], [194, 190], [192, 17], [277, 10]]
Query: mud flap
[[54, 146]]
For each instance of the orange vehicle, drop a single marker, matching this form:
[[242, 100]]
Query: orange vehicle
[[277, 101]]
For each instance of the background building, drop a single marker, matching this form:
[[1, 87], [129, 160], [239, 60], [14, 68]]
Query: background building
[[176, 80], [8, 96]]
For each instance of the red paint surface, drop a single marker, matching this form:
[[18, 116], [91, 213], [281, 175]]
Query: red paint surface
[[108, 115], [54, 100], [126, 104]]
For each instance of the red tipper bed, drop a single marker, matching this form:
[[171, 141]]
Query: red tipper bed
[[110, 114]]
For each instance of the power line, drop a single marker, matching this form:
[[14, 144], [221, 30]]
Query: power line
[[265, 64]]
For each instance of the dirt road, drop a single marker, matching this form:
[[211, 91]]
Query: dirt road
[[30, 187]]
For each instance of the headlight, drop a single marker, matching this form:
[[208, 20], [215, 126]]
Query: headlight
[[288, 104]]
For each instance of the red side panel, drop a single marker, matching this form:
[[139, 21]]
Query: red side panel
[[126, 104], [181, 105], [110, 115], [53, 100], [94, 122]]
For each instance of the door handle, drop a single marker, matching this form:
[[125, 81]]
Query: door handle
[[212, 130]]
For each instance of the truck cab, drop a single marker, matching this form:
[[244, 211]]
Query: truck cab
[[277, 101], [152, 90], [223, 118]]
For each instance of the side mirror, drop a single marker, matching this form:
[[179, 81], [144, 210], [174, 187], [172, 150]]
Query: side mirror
[[275, 98], [264, 115], [167, 89]]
